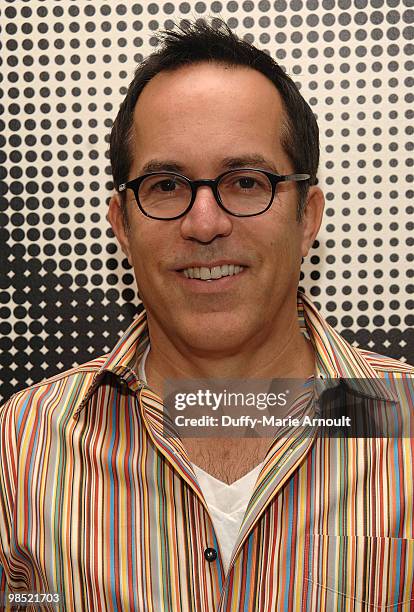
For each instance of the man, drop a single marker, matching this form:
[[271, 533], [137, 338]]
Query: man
[[97, 503]]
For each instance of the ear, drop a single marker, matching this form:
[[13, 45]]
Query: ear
[[114, 217], [312, 218]]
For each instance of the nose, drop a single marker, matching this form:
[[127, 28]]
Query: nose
[[206, 220]]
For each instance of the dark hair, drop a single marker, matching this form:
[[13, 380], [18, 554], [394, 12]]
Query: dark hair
[[215, 42]]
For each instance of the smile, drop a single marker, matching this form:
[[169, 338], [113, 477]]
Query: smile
[[214, 273]]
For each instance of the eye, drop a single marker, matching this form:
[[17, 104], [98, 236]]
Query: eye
[[246, 182], [165, 185]]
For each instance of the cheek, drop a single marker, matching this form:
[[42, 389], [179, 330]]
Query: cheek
[[285, 245], [150, 251], [142, 239], [283, 257]]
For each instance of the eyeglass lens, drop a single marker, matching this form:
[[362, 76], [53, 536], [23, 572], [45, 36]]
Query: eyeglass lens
[[241, 192]]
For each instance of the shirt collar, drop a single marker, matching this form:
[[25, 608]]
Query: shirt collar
[[121, 360], [335, 358]]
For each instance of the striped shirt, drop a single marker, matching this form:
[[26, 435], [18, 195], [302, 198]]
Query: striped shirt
[[99, 506]]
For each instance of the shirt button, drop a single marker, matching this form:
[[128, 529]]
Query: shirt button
[[210, 554]]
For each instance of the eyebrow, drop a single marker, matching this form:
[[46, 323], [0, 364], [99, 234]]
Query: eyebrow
[[253, 161], [155, 165], [227, 163]]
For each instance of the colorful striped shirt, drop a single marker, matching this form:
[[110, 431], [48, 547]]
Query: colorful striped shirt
[[100, 507]]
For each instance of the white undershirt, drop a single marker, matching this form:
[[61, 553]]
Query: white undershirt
[[227, 503]]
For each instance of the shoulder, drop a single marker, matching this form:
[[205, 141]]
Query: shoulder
[[64, 390], [397, 376], [386, 365]]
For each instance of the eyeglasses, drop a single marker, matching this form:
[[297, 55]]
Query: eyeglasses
[[245, 192]]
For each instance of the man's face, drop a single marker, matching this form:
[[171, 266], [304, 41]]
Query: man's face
[[196, 119]]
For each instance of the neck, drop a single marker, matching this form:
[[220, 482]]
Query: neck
[[293, 358]]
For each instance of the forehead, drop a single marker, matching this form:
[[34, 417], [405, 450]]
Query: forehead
[[211, 104], [219, 84]]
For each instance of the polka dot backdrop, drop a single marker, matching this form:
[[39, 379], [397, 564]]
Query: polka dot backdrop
[[67, 292]]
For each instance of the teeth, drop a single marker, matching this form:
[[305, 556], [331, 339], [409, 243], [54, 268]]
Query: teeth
[[212, 273], [205, 273], [216, 272]]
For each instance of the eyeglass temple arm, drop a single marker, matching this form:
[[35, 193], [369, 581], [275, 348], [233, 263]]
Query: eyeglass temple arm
[[295, 177]]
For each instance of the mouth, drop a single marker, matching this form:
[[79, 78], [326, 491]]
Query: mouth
[[205, 273]]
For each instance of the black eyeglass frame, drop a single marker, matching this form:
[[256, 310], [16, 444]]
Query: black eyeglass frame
[[213, 183]]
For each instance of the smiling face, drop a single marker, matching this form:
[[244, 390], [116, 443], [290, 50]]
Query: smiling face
[[201, 120]]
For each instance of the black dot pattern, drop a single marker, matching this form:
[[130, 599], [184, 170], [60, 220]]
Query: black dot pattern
[[66, 291]]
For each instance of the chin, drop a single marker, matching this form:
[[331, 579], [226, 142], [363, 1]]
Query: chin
[[216, 332]]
